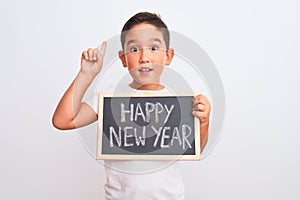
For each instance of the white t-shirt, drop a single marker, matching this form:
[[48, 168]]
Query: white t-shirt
[[136, 180]]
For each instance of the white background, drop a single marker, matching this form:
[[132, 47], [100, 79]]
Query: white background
[[254, 44]]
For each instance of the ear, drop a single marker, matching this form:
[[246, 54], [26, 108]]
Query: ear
[[170, 55], [122, 58]]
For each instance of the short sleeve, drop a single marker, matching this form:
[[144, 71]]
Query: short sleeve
[[93, 98], [92, 101]]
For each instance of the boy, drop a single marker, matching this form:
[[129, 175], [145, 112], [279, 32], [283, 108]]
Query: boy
[[145, 52]]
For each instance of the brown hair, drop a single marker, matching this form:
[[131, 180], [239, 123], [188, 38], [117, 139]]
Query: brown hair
[[147, 18]]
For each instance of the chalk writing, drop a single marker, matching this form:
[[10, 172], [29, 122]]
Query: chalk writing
[[155, 125]]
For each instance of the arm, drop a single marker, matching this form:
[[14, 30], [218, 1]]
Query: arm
[[71, 112], [201, 110]]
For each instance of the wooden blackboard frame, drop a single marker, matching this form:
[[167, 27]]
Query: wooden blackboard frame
[[102, 156]]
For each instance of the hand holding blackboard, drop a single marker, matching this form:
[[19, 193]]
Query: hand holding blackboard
[[147, 127], [201, 110]]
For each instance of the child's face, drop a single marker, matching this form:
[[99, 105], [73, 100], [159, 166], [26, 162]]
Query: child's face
[[145, 54]]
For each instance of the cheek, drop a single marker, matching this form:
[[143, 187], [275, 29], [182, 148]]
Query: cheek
[[131, 61], [160, 59], [131, 65]]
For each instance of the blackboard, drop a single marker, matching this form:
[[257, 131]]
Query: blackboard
[[147, 126]]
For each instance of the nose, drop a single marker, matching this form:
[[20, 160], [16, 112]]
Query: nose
[[144, 56]]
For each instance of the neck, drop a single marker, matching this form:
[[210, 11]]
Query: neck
[[151, 86]]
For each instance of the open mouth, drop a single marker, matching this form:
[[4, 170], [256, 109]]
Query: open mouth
[[145, 70]]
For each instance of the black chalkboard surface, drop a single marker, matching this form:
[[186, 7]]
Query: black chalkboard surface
[[147, 126]]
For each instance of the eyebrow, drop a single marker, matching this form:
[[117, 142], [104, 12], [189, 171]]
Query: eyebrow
[[155, 40], [152, 40], [131, 41]]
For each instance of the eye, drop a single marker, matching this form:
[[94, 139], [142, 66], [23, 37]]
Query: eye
[[154, 48], [134, 49]]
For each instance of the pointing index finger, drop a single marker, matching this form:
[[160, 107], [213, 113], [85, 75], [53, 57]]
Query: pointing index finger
[[102, 49]]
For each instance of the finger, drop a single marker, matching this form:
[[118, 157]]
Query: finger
[[196, 114], [203, 117], [199, 107], [84, 55], [102, 49], [197, 99], [90, 54], [95, 52], [200, 99]]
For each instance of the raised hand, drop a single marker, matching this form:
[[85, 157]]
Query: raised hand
[[92, 60]]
